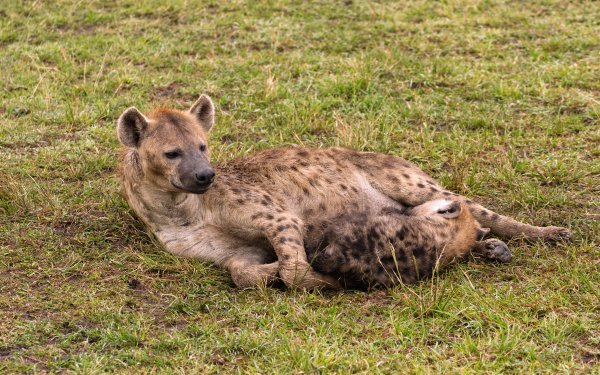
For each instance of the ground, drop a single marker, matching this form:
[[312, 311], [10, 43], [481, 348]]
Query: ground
[[498, 100]]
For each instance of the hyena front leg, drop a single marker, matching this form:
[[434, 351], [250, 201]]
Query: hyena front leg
[[286, 237], [407, 184]]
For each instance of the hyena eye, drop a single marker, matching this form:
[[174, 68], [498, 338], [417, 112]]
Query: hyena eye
[[172, 154], [202, 148]]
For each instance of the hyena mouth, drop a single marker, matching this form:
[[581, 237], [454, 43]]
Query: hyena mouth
[[194, 190]]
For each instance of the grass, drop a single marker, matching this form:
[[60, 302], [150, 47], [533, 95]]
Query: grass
[[498, 100]]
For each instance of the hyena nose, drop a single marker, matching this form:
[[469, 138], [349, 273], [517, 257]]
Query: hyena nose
[[205, 177]]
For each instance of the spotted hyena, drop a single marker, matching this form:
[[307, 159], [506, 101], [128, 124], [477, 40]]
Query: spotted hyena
[[250, 215], [365, 249]]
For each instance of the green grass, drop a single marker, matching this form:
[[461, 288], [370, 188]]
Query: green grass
[[498, 100]]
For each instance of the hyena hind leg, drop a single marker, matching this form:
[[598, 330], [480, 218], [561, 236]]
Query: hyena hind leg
[[424, 188], [508, 227], [407, 184]]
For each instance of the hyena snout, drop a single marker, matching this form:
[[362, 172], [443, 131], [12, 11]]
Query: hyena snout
[[205, 177], [197, 179]]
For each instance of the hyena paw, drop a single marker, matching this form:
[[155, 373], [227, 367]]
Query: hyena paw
[[301, 275], [494, 250], [255, 275], [557, 234]]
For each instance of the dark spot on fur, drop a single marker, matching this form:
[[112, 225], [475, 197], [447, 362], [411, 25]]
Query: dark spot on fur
[[406, 175], [269, 217], [433, 189], [420, 185], [401, 256], [446, 193], [495, 216], [282, 240], [302, 153], [306, 191], [374, 233], [407, 272], [357, 247], [240, 201], [256, 215], [280, 228], [484, 213], [392, 211], [343, 187], [469, 201], [186, 224], [264, 202], [400, 234], [354, 189]]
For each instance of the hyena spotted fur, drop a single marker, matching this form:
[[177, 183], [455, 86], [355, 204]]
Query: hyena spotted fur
[[366, 249], [250, 215]]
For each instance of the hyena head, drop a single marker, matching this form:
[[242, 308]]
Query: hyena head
[[452, 217], [171, 146]]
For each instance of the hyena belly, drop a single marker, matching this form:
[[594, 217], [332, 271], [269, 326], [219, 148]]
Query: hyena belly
[[365, 250]]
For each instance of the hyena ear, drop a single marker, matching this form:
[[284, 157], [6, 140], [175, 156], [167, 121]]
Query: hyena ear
[[451, 210], [482, 232], [204, 111], [131, 126]]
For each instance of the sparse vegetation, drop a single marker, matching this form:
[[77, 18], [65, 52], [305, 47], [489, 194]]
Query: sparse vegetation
[[498, 100]]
